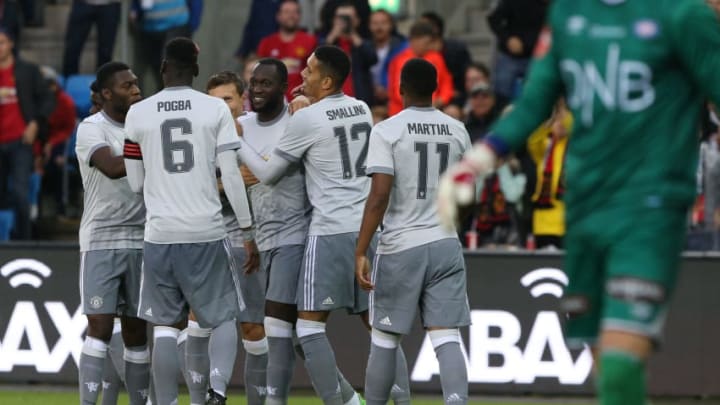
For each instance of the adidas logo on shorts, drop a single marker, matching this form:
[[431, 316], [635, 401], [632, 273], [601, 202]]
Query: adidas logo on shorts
[[328, 301], [386, 321]]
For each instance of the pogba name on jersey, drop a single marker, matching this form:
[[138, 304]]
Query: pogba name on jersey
[[345, 112], [416, 128], [174, 105]]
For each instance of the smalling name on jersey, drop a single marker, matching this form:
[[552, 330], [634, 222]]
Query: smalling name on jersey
[[345, 112], [428, 129], [174, 105]]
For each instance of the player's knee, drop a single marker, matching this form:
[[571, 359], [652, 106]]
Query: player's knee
[[100, 326], [439, 337], [385, 340], [194, 330], [134, 332], [306, 327], [256, 347], [278, 328], [252, 331]]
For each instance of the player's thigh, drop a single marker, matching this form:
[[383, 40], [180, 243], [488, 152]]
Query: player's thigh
[[161, 300], [208, 281], [99, 282], [252, 287], [444, 302], [584, 266], [642, 270], [130, 260], [398, 279], [283, 265], [327, 279]]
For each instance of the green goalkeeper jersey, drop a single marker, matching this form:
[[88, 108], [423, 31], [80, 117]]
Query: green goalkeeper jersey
[[635, 74]]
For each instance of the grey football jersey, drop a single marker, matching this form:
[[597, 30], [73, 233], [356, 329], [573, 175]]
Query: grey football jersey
[[330, 137], [282, 210], [180, 132], [113, 216], [415, 146]]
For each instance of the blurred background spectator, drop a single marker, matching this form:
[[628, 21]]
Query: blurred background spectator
[[25, 105], [483, 110], [422, 44], [328, 13], [387, 42], [261, 22], [10, 20], [154, 23], [105, 16], [345, 34], [516, 25], [289, 44], [547, 146]]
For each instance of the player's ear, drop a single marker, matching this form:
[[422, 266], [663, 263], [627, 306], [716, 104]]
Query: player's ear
[[327, 83], [105, 94]]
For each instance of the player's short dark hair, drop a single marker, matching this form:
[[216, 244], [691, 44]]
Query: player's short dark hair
[[226, 77], [418, 78], [334, 62], [421, 29], [106, 72], [435, 19], [280, 68], [94, 87], [182, 53]]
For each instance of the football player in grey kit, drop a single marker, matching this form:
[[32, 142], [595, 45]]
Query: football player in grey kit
[[418, 263], [174, 142], [111, 232], [330, 139]]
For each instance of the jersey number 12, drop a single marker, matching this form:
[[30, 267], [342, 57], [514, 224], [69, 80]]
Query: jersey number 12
[[355, 131]]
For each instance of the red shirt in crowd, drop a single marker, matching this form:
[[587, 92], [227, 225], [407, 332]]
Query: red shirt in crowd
[[444, 90], [12, 123], [61, 123], [293, 53]]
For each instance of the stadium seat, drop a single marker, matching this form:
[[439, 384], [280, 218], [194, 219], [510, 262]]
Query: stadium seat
[[7, 222], [60, 81], [78, 87], [70, 168]]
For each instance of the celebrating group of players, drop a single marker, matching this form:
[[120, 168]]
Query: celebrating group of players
[[161, 244]]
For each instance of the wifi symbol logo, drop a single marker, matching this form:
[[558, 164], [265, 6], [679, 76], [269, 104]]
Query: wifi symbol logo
[[544, 281], [25, 272]]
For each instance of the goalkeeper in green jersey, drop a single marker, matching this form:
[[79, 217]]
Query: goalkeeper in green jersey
[[635, 74]]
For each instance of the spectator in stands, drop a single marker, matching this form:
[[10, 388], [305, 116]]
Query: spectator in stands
[[457, 59], [10, 19], [423, 38], [547, 146], [261, 22], [290, 44], [155, 23], [499, 197], [25, 105], [517, 25], [61, 125], [329, 10], [388, 43], [105, 15], [483, 110], [345, 35]]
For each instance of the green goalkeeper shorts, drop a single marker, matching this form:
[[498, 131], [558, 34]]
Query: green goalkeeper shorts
[[622, 264]]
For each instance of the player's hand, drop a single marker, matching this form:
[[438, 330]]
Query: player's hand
[[298, 103], [252, 260], [248, 177], [362, 272], [298, 90], [457, 185]]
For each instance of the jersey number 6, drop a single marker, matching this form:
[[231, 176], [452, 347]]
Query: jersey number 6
[[170, 147]]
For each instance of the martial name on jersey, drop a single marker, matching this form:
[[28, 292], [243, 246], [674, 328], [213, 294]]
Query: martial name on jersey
[[345, 112], [424, 128], [173, 105]]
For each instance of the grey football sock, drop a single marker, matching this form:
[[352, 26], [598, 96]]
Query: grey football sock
[[320, 361], [346, 390], [400, 392], [380, 374], [453, 374], [165, 365], [137, 373], [256, 361], [90, 369], [223, 350], [182, 339], [116, 351], [281, 364], [111, 382], [198, 363]]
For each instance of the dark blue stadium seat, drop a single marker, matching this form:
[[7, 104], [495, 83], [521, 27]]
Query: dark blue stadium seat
[[78, 87]]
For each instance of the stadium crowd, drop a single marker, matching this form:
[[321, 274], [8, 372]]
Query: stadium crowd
[[519, 207]]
